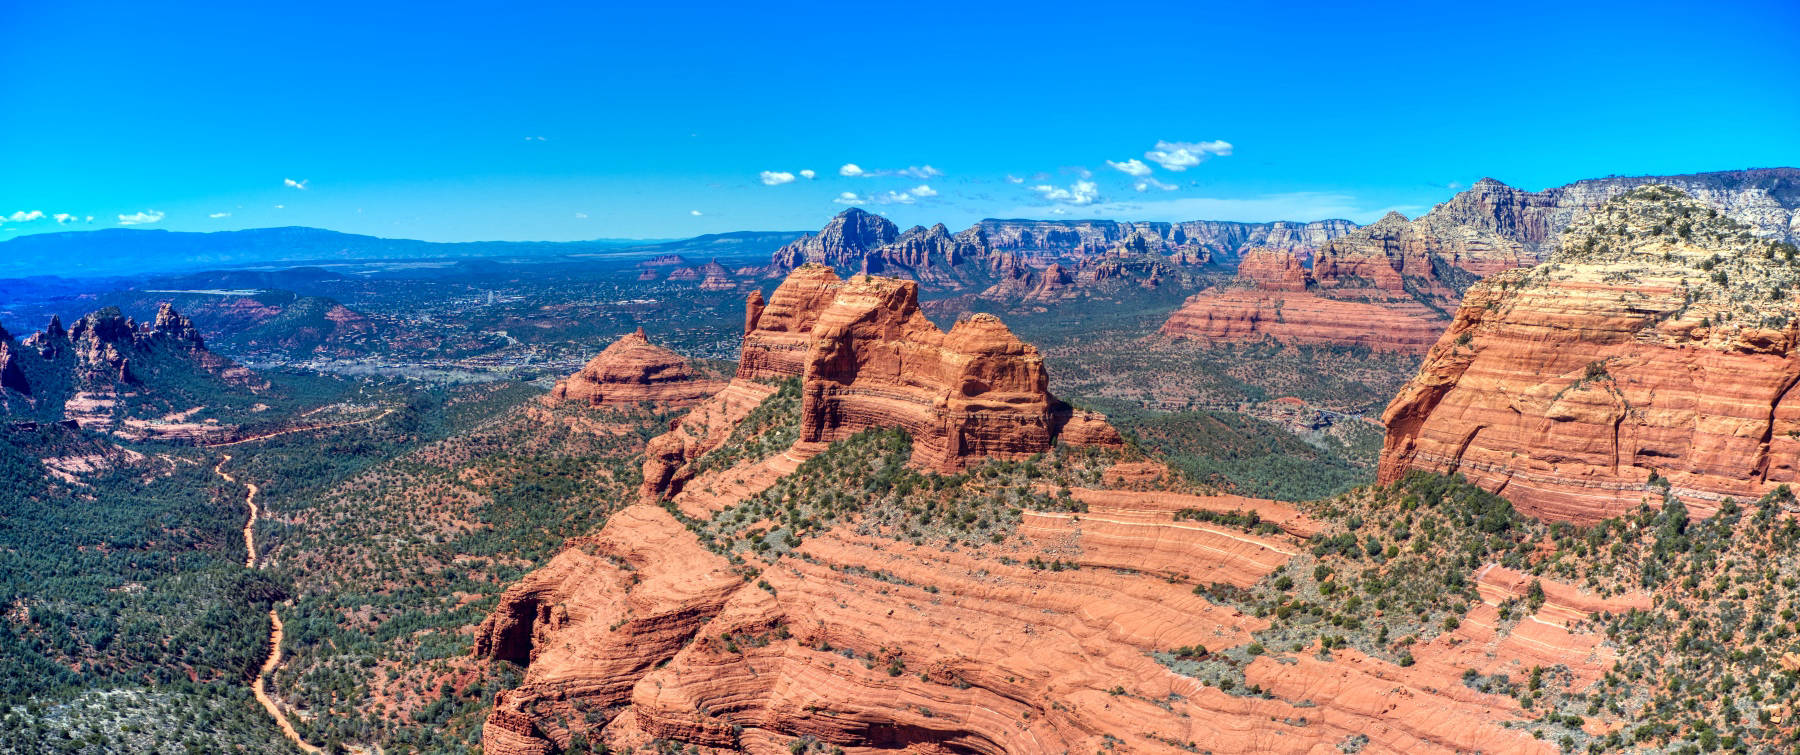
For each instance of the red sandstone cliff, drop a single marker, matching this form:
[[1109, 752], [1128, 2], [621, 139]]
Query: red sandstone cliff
[[1276, 298], [631, 371], [1657, 344]]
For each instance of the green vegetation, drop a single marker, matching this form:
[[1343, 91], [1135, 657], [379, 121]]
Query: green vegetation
[[1249, 456], [863, 481], [127, 609], [398, 540]]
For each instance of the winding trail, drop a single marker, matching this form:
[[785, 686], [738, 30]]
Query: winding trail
[[261, 686], [266, 436]]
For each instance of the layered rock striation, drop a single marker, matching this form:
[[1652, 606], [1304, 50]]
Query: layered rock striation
[[633, 371], [1655, 350]]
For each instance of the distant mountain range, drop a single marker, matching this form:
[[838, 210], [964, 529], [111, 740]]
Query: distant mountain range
[[131, 251]]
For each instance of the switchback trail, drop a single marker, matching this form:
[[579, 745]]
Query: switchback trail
[[273, 661]]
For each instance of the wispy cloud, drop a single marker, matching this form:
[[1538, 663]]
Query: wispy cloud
[[581, 216], [1010, 178], [535, 139], [218, 215], [301, 184], [921, 172], [886, 197], [1132, 167], [136, 218], [1147, 183], [697, 213], [1078, 193], [1179, 156], [776, 177], [808, 174]]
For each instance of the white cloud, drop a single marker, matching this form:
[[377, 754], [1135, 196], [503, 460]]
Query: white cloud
[[1132, 167], [924, 190], [1010, 178], [1146, 183], [808, 174], [534, 138], [697, 213], [776, 177], [886, 197], [280, 207], [1078, 193], [148, 216], [921, 172], [22, 216], [581, 215], [64, 218], [301, 184], [1058, 211], [218, 215], [1179, 156]]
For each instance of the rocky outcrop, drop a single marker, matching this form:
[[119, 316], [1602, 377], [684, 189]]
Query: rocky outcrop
[[866, 357], [1766, 200], [875, 360], [1276, 299], [99, 370], [1656, 349], [1273, 270], [842, 244], [633, 371]]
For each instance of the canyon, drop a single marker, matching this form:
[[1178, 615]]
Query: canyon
[[667, 626]]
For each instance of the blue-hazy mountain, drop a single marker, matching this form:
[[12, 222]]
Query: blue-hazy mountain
[[131, 251]]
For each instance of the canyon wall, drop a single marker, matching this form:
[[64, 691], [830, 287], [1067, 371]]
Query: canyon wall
[[1654, 350]]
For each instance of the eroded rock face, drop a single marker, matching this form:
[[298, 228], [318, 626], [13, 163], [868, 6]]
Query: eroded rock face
[[867, 643], [1657, 346], [632, 371], [875, 360], [842, 244], [866, 357]]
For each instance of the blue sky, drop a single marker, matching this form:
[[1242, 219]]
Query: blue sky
[[460, 121]]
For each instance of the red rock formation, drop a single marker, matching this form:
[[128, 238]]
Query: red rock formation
[[1657, 344], [1273, 270], [868, 357], [867, 643], [872, 359], [602, 614], [1275, 304], [633, 371]]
